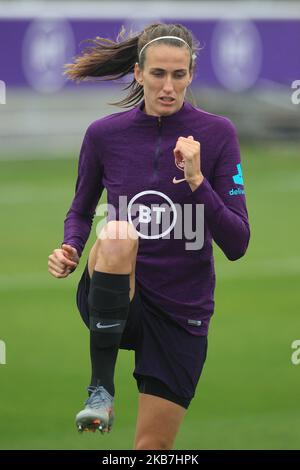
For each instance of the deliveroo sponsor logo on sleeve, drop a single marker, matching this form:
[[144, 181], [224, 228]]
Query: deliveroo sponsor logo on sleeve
[[238, 179]]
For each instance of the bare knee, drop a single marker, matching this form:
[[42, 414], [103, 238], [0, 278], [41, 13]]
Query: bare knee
[[119, 230], [116, 247]]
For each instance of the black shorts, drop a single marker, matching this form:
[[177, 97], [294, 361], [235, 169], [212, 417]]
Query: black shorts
[[168, 359]]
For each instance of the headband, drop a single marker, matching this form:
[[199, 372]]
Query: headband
[[166, 37]]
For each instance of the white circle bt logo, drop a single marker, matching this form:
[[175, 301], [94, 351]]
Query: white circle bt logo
[[154, 215]]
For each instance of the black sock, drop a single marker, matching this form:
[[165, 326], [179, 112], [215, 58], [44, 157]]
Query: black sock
[[108, 301]]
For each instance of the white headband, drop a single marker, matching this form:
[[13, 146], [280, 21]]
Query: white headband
[[166, 37]]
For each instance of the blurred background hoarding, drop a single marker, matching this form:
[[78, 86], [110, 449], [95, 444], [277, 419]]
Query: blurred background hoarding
[[248, 66]]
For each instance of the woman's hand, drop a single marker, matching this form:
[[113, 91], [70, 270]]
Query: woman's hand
[[187, 156], [63, 261]]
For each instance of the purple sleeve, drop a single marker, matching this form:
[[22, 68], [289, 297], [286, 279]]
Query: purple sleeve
[[88, 190], [225, 211]]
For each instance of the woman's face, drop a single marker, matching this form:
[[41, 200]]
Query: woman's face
[[165, 78]]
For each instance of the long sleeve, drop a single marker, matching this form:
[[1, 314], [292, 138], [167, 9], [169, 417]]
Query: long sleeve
[[225, 211], [88, 190]]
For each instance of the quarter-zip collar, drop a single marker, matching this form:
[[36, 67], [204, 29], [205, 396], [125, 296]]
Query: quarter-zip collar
[[148, 120]]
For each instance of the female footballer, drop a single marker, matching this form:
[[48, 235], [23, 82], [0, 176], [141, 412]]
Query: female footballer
[[153, 294]]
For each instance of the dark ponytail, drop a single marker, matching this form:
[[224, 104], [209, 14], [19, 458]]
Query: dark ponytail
[[109, 60]]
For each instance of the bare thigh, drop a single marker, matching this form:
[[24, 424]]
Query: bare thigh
[[158, 422]]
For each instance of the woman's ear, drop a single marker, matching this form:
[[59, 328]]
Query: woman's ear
[[138, 74]]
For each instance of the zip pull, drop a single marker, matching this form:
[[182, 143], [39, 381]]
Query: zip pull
[[159, 121]]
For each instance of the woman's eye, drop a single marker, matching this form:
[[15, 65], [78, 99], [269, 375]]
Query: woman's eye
[[176, 75]]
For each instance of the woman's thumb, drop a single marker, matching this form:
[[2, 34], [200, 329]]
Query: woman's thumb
[[67, 247], [69, 250]]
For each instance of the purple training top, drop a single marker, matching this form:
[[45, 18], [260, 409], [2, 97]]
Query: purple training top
[[131, 152]]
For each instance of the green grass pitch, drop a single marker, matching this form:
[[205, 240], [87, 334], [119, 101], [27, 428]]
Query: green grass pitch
[[248, 395]]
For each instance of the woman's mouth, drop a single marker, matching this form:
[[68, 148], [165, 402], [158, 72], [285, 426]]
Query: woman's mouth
[[167, 101]]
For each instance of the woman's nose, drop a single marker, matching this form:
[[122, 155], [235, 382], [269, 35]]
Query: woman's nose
[[168, 85]]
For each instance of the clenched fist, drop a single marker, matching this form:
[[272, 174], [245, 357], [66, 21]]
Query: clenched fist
[[187, 157], [63, 261]]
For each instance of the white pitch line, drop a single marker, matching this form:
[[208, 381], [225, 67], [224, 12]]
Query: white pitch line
[[16, 194], [272, 268], [35, 280], [255, 269]]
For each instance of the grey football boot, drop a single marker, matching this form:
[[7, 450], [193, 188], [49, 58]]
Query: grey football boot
[[98, 412]]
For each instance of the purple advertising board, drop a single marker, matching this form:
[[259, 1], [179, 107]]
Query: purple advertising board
[[236, 54]]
